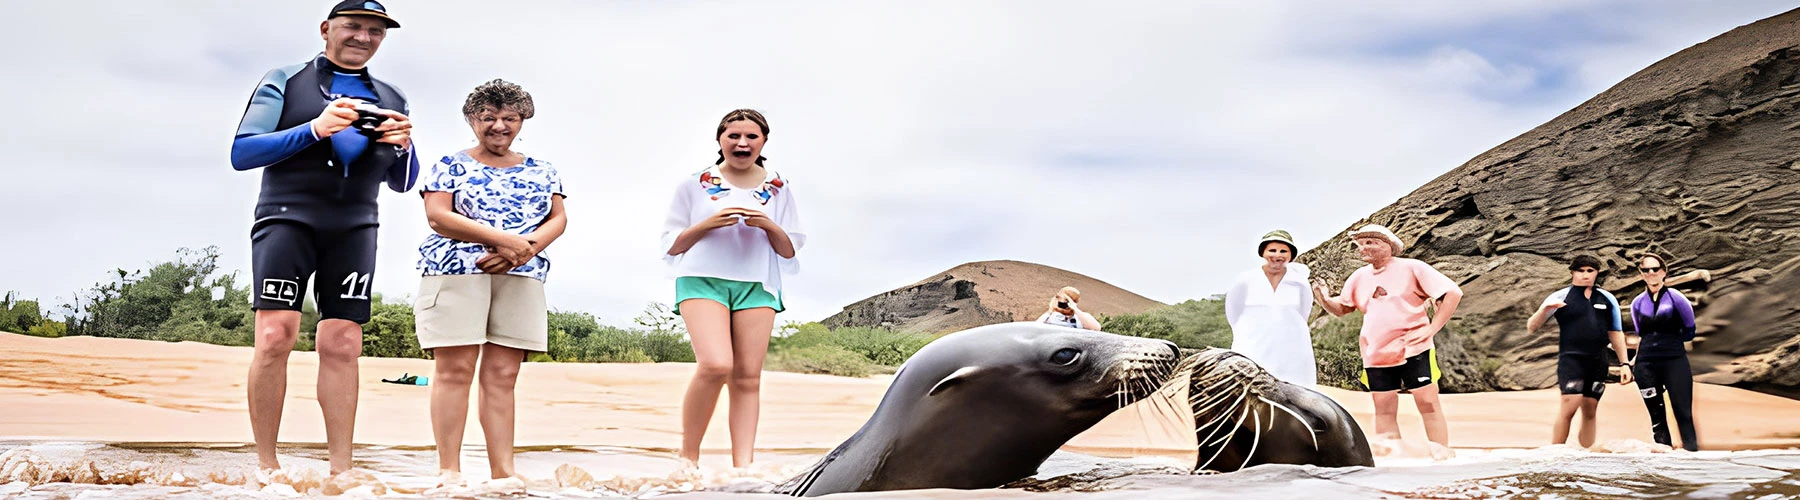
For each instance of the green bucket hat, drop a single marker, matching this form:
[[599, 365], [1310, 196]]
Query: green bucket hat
[[1277, 235]]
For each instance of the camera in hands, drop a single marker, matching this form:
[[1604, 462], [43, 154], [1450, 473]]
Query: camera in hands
[[368, 118]]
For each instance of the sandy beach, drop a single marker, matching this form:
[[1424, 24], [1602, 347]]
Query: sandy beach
[[113, 390]]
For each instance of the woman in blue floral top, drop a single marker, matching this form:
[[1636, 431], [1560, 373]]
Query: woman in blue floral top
[[492, 211]]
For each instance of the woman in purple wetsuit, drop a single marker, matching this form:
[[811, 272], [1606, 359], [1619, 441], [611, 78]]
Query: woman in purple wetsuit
[[1665, 323]]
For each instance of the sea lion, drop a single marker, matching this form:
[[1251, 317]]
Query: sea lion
[[986, 406], [1245, 417]]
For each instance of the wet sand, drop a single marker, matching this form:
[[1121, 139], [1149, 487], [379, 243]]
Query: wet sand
[[130, 391]]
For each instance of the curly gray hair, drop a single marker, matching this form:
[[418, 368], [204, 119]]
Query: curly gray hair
[[499, 95]]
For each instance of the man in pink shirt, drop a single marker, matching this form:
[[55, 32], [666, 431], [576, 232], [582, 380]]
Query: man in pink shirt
[[1393, 294]]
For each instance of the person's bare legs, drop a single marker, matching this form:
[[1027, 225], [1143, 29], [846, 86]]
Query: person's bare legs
[[1559, 433], [1431, 412], [499, 374], [750, 330], [1386, 439], [453, 370], [1387, 414], [709, 330], [266, 388], [339, 344], [1590, 422]]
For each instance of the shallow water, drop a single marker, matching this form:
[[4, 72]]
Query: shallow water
[[73, 470]]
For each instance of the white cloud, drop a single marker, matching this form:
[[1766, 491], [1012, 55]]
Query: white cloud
[[1146, 144]]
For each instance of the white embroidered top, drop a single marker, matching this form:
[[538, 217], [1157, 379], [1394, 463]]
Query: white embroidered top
[[737, 252]]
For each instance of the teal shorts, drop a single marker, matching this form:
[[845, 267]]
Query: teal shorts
[[735, 295]]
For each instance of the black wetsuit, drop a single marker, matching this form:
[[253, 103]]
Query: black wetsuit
[[317, 209], [1664, 322], [1584, 322]]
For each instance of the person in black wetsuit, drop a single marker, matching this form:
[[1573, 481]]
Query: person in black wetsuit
[[1664, 320], [1588, 318], [316, 214]]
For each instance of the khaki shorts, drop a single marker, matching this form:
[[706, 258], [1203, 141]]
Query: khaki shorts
[[475, 309]]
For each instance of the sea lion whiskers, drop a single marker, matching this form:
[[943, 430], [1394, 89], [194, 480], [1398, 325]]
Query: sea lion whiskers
[[1257, 439], [1211, 403], [1309, 428], [1162, 401], [1226, 437], [1165, 411], [1238, 411], [1217, 422]]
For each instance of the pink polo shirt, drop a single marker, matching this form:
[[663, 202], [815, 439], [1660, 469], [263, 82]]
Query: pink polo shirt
[[1393, 303]]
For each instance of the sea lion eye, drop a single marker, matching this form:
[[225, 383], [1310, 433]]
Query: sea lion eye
[[1064, 356]]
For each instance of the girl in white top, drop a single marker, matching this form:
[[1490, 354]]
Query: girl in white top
[[1267, 308], [731, 234]]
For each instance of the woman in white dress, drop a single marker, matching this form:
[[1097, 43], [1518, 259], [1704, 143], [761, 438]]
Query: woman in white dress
[[1267, 308]]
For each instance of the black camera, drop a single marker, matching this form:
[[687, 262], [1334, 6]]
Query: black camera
[[368, 118], [1062, 304]]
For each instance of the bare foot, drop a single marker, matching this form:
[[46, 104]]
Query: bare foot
[[450, 483], [1440, 452], [504, 486], [1382, 447]]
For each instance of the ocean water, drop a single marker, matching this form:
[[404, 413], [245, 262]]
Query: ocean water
[[77, 470]]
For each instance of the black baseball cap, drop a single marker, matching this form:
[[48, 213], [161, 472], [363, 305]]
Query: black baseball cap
[[363, 8]]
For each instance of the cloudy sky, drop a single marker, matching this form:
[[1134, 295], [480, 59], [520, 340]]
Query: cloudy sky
[[1147, 144]]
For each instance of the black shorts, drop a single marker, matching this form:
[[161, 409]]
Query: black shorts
[[1420, 370], [1583, 374], [284, 254]]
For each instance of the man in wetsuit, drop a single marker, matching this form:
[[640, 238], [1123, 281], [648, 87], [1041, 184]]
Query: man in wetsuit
[[316, 214], [1588, 318]]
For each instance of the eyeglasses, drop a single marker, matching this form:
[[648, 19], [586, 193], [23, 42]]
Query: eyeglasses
[[1650, 269]]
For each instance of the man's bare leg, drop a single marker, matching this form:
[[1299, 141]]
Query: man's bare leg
[[266, 388], [339, 344]]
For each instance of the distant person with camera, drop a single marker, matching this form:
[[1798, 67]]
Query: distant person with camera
[[1065, 310], [326, 135], [1588, 319]]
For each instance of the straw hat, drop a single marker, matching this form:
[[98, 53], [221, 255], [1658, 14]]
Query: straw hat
[[1383, 232]]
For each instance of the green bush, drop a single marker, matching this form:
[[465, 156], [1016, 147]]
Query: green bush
[[18, 315], [579, 337], [172, 300], [578, 325], [389, 332], [617, 345], [880, 346], [1194, 324], [52, 329], [825, 359], [1337, 351]]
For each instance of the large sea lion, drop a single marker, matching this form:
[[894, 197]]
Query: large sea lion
[[986, 406], [1244, 417]]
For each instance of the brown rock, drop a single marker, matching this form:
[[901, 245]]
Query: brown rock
[[984, 293]]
